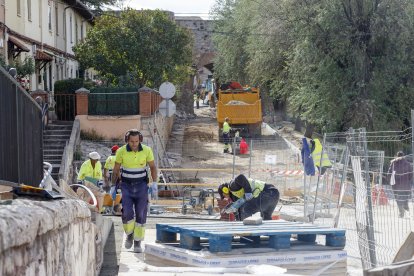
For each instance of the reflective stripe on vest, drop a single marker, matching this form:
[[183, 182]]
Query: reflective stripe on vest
[[316, 155], [134, 175]]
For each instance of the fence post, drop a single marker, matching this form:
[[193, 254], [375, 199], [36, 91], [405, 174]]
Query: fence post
[[82, 101], [370, 219], [234, 155], [412, 138], [250, 157]]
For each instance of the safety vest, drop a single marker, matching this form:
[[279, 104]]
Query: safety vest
[[226, 127], [87, 170], [316, 155], [110, 163], [256, 185]]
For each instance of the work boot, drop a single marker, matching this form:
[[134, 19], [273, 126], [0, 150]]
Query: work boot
[[137, 247], [129, 240]]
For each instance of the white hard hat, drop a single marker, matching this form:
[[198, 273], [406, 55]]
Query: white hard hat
[[94, 155]]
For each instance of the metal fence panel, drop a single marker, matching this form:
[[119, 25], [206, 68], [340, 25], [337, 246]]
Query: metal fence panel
[[115, 104], [21, 139]]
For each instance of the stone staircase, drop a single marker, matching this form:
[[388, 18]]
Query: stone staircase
[[55, 137]]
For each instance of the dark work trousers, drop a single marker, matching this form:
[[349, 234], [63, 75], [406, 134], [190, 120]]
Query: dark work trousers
[[402, 197], [265, 203], [134, 201]]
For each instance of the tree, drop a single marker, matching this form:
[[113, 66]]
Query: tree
[[338, 63], [99, 4], [146, 45]]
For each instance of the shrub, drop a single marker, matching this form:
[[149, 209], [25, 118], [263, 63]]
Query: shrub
[[68, 86]]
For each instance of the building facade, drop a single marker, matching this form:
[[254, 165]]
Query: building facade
[[44, 31]]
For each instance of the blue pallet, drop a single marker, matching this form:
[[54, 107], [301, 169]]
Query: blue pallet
[[221, 235]]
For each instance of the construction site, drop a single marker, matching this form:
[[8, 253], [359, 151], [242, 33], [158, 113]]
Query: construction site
[[340, 216]]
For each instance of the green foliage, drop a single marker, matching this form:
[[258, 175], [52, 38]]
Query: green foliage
[[2, 61], [144, 46], [69, 86], [339, 64], [98, 4], [24, 68], [114, 89]]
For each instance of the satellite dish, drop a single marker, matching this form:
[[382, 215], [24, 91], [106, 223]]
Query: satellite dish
[[167, 108], [167, 90]]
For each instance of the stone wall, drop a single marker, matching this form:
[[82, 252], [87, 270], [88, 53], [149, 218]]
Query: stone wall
[[47, 238]]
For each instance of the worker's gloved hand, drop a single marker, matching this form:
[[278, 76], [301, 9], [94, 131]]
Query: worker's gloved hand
[[248, 196], [235, 206], [230, 210], [112, 192], [154, 189]]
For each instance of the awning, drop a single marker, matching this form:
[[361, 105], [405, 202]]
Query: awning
[[18, 44], [41, 55]]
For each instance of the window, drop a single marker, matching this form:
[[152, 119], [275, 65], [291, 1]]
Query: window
[[81, 31], [29, 10], [76, 31], [71, 28], [57, 20], [49, 15], [18, 8]]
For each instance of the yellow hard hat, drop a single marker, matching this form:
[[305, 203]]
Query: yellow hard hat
[[225, 190]]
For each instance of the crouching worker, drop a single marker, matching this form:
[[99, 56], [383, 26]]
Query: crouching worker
[[249, 196]]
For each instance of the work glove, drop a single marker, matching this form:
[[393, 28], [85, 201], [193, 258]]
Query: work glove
[[235, 206], [112, 192], [154, 189], [248, 196]]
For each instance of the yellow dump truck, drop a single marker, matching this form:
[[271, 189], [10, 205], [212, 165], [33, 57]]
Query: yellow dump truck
[[243, 107]]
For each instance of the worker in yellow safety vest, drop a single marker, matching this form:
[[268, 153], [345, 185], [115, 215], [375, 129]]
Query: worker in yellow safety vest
[[134, 157], [316, 151], [91, 170], [226, 134], [249, 196]]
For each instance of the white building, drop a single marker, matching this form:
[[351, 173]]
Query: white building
[[45, 30]]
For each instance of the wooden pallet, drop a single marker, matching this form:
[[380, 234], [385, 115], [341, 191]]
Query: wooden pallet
[[221, 235]]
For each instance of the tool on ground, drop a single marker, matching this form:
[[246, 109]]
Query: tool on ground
[[26, 190]]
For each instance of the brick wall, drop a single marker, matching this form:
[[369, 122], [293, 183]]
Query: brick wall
[[148, 103], [82, 103]]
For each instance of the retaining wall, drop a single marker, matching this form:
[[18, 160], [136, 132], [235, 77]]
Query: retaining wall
[[47, 238]]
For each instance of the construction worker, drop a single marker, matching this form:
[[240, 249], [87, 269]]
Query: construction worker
[[109, 165], [249, 196], [91, 170], [134, 157], [226, 134], [316, 152]]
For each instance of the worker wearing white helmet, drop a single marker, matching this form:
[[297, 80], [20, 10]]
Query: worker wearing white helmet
[[91, 169]]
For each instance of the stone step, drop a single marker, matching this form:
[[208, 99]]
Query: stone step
[[58, 127], [66, 132], [52, 159], [55, 141], [52, 151], [55, 136]]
